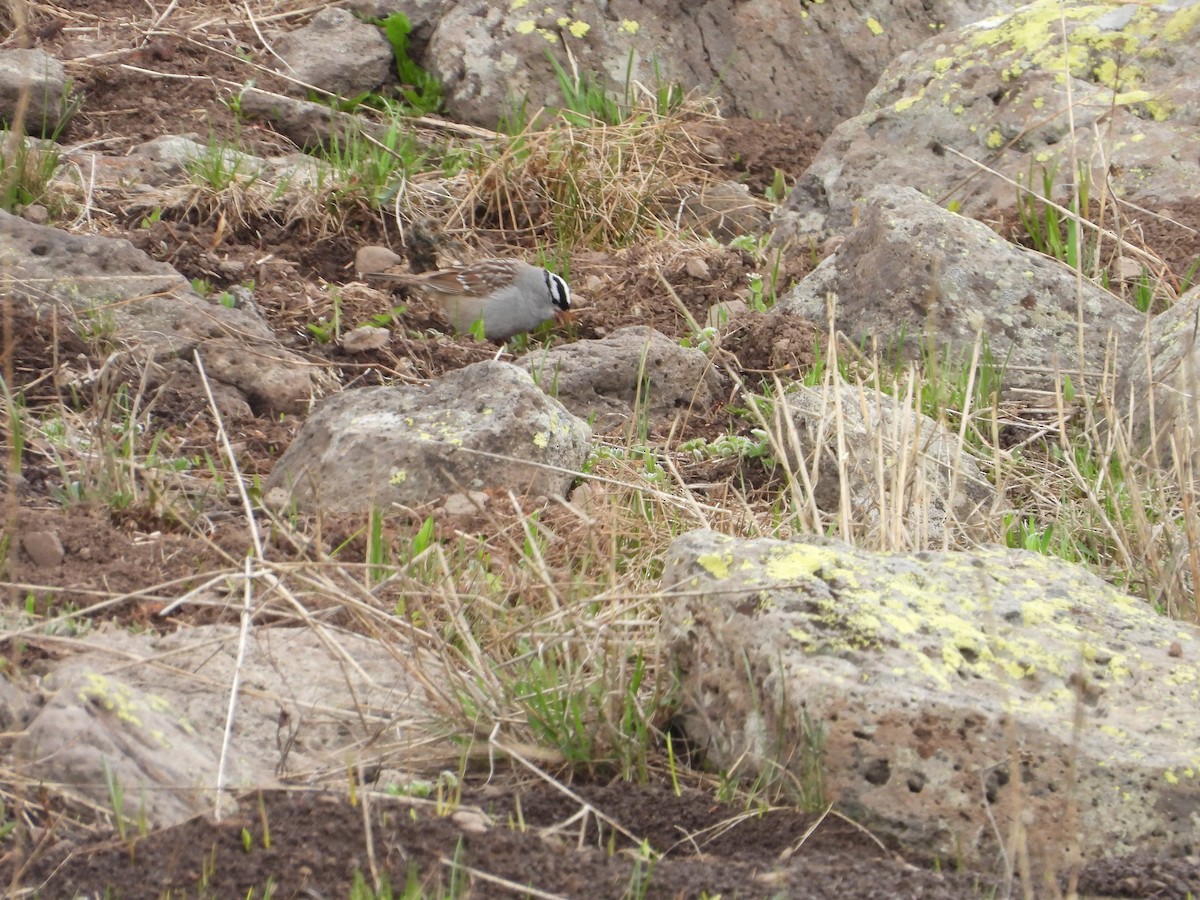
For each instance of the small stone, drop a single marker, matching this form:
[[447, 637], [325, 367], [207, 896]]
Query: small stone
[[470, 821], [371, 260], [697, 267], [36, 213], [364, 338], [1175, 650], [44, 548], [721, 314], [468, 504]]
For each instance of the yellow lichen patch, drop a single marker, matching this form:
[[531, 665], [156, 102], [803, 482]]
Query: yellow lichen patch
[[907, 102], [526, 26], [800, 561], [629, 26], [1182, 23], [874, 26], [942, 65], [120, 699], [541, 440], [995, 139], [399, 476], [716, 565]]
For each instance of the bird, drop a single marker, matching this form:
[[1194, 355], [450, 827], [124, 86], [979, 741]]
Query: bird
[[509, 295]]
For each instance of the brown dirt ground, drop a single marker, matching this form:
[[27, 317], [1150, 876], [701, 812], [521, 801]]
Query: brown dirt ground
[[317, 841]]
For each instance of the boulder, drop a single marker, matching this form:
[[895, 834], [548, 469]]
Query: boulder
[[1002, 92], [941, 699], [913, 275], [761, 57], [143, 706], [335, 52], [485, 426], [632, 372], [1157, 398], [905, 474], [120, 298], [40, 77]]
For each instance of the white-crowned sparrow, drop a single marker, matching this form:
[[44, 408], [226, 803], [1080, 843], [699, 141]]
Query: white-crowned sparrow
[[509, 295]]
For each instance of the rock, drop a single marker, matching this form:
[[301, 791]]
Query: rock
[[16, 705], [120, 297], [41, 77], [723, 209], [469, 504], [35, 213], [485, 426], [159, 729], [634, 371], [271, 378], [904, 472], [1156, 394], [697, 267], [486, 54], [911, 682], [305, 123], [44, 548], [372, 259], [335, 52], [913, 272], [365, 338], [996, 91]]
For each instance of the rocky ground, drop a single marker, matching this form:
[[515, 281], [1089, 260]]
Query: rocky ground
[[318, 840]]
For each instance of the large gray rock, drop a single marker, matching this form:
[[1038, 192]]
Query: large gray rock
[[762, 57], [40, 77], [1157, 397], [485, 426], [632, 372], [914, 683], [120, 297], [335, 52], [152, 709], [997, 91], [911, 272]]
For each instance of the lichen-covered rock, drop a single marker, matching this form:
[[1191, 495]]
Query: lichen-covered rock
[[485, 426], [947, 695], [1012, 93]]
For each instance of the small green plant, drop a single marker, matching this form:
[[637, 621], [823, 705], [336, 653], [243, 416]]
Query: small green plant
[[14, 406], [371, 169], [1052, 232], [585, 99], [644, 862], [328, 330], [219, 167], [116, 796], [421, 90], [27, 167], [777, 190]]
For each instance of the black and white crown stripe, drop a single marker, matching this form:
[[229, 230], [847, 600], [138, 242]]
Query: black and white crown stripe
[[560, 294]]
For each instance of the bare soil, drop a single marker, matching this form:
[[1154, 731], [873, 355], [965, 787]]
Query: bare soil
[[317, 840]]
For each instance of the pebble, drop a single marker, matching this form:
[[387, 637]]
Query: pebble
[[364, 338], [44, 548], [372, 259]]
